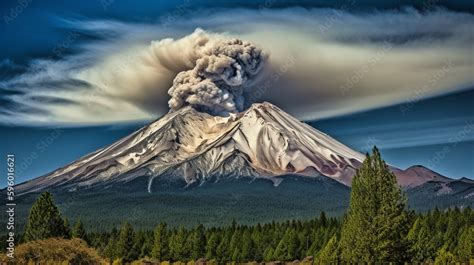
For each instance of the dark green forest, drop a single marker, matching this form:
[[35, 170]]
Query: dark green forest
[[433, 235], [436, 235], [377, 228]]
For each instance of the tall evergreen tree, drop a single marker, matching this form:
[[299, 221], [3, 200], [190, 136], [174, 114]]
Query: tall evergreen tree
[[138, 242], [377, 222], [258, 242], [198, 243], [328, 254], [421, 245], [160, 244], [235, 244], [44, 220], [110, 250], [211, 246], [177, 245], [287, 249], [322, 219], [223, 247], [268, 254], [125, 242], [147, 246], [247, 248], [465, 248], [79, 231]]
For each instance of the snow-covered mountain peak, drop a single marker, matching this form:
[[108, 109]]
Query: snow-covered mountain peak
[[260, 142]]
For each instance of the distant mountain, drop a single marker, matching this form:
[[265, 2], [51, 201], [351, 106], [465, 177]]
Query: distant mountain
[[262, 142], [417, 175]]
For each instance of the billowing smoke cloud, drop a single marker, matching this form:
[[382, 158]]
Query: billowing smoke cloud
[[321, 63], [221, 77]]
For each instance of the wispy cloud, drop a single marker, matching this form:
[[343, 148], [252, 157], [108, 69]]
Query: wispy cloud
[[401, 134]]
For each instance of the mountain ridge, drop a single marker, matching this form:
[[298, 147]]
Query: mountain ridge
[[261, 142]]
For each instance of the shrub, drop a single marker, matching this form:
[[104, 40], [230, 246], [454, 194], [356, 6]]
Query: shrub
[[56, 251]]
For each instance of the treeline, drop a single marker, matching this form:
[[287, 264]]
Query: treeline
[[436, 235], [274, 241]]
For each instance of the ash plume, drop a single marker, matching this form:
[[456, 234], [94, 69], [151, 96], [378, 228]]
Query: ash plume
[[222, 76]]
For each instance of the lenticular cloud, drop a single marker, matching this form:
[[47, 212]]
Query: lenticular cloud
[[324, 63]]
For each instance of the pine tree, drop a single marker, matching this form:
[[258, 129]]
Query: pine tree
[[211, 246], [377, 222], [44, 220], [177, 246], [268, 254], [258, 242], [288, 246], [138, 242], [317, 239], [147, 246], [125, 242], [246, 253], [322, 219], [198, 243], [421, 245], [235, 244], [223, 247], [110, 250], [160, 244], [452, 229], [79, 231], [328, 254], [465, 248]]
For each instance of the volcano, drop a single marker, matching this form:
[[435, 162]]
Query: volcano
[[195, 147]]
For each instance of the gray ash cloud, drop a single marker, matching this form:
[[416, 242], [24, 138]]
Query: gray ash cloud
[[222, 76]]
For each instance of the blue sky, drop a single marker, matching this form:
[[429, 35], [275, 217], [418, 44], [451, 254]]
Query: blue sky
[[388, 73]]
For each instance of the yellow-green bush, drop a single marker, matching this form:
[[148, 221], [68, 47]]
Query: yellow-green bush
[[56, 251]]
